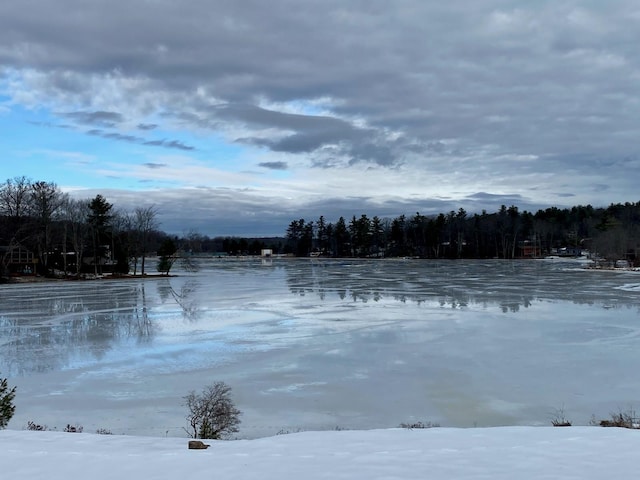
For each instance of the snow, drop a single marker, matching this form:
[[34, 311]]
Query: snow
[[521, 453]]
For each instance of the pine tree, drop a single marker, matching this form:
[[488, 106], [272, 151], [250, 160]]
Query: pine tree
[[99, 219], [7, 408]]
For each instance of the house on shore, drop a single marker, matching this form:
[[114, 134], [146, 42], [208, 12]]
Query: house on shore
[[17, 260]]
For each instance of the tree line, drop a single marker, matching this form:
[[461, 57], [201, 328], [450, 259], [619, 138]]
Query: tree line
[[44, 229], [75, 236], [612, 233], [71, 236]]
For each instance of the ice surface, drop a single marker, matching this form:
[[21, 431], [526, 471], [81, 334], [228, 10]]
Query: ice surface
[[315, 344]]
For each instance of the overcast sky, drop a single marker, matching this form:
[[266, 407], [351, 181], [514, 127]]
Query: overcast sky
[[238, 116]]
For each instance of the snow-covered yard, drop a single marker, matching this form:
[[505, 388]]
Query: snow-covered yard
[[520, 453]]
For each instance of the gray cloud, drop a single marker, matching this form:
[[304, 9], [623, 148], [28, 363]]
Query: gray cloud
[[175, 144], [303, 133], [169, 144], [154, 166], [147, 126], [50, 125], [113, 136], [102, 119], [274, 165]]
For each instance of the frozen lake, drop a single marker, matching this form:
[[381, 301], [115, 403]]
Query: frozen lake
[[319, 344]]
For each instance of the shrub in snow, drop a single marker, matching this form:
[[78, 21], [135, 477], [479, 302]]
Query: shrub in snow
[[7, 408], [559, 418], [36, 427], [626, 419], [413, 425], [73, 428], [212, 413], [285, 431]]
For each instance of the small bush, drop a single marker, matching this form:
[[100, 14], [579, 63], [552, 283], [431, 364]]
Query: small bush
[[36, 427], [73, 428], [7, 408], [212, 413], [413, 425], [561, 423], [286, 431], [559, 419], [626, 419], [167, 253], [104, 431]]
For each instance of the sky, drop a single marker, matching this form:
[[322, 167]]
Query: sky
[[237, 117], [504, 453]]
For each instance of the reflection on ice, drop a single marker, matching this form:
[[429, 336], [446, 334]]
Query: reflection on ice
[[319, 343]]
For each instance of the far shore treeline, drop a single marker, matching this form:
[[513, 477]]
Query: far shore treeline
[[44, 231]]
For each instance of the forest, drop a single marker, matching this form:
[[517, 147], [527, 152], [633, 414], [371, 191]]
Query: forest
[[45, 231], [611, 233]]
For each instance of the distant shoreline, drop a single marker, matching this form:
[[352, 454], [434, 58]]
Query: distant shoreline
[[30, 279]]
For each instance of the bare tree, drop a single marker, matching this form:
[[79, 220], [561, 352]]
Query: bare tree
[[614, 243], [14, 206], [144, 223], [191, 244], [75, 214], [121, 240], [46, 201], [14, 197], [167, 253], [212, 413]]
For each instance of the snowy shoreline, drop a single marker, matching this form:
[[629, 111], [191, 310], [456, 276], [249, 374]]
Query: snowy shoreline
[[521, 453]]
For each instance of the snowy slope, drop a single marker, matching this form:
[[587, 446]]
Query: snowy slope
[[522, 453]]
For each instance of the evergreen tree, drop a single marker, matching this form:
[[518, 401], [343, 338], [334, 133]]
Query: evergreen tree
[[321, 235], [342, 239], [98, 219], [7, 408]]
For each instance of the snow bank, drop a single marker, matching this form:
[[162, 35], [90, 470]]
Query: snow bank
[[521, 453]]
